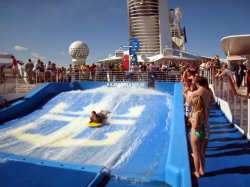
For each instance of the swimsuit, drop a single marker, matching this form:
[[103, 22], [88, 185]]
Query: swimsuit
[[199, 134]]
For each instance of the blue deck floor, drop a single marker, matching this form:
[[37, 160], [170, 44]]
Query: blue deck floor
[[227, 155], [18, 171]]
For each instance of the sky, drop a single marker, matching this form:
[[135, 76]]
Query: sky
[[46, 28]]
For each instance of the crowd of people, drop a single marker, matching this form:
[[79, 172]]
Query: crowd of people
[[40, 72], [198, 97], [239, 72]]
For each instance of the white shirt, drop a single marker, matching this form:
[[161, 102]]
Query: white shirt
[[36, 66], [48, 66], [247, 64], [227, 72]]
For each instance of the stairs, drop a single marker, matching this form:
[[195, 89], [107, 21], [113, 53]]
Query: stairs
[[227, 154], [15, 85]]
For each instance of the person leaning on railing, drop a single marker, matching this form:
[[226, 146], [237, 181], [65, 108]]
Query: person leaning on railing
[[224, 71]]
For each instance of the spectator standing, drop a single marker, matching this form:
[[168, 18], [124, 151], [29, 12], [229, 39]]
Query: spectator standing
[[36, 70], [69, 73], [216, 62], [247, 62], [239, 73], [152, 67], [28, 68], [48, 70], [41, 73], [143, 67], [14, 66], [53, 72], [203, 65], [93, 70], [164, 67], [151, 77]]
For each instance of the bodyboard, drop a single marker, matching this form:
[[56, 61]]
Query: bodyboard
[[93, 124]]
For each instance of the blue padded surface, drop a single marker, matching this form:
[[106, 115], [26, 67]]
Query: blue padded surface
[[126, 183], [15, 173], [140, 153], [227, 155]]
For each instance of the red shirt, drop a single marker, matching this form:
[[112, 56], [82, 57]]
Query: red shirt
[[14, 62], [93, 68]]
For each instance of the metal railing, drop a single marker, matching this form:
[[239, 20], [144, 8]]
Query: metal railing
[[208, 73], [20, 84], [13, 84], [161, 76], [239, 105]]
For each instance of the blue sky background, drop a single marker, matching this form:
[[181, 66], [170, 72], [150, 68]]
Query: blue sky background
[[46, 28]]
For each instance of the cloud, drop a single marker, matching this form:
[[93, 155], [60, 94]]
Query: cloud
[[62, 53], [20, 48], [36, 56]]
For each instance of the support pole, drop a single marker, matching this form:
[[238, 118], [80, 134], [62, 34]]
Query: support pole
[[248, 127]]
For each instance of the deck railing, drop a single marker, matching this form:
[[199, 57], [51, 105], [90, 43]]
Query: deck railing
[[235, 106], [17, 84]]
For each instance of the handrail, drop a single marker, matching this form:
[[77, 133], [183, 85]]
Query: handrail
[[235, 106], [230, 81]]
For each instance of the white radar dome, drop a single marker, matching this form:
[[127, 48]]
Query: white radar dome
[[79, 51]]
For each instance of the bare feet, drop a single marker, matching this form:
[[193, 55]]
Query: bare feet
[[201, 172], [192, 154], [196, 174]]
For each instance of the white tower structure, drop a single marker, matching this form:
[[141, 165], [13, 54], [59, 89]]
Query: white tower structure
[[79, 51], [149, 22]]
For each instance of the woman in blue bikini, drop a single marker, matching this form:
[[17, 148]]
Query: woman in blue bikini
[[198, 121]]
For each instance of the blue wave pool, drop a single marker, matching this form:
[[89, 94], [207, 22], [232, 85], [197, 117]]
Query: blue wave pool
[[138, 142]]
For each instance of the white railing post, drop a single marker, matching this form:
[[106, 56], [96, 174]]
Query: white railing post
[[4, 89], [210, 75], [241, 113], [108, 78], [16, 84], [248, 126]]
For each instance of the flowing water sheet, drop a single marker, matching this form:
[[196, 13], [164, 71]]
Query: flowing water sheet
[[136, 131]]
